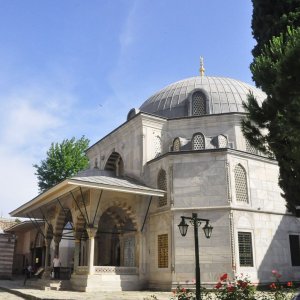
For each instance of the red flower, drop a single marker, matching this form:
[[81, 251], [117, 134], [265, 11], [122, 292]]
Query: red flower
[[224, 277], [242, 284], [218, 285], [290, 284], [230, 288], [273, 286], [183, 290]]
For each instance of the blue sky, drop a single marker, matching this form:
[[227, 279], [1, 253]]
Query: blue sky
[[72, 68]]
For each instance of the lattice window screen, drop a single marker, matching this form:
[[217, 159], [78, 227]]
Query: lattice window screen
[[163, 251], [241, 189], [250, 148], [222, 141], [157, 146], [198, 142], [198, 104], [176, 145], [245, 249], [162, 185]]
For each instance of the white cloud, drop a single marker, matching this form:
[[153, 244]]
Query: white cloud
[[30, 119]]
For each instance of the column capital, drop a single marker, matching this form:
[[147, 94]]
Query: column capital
[[91, 231]]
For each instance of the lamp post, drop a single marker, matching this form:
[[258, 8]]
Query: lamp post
[[183, 227]]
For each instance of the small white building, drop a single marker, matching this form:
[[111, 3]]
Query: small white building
[[181, 152]]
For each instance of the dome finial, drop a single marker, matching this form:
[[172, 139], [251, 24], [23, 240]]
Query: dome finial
[[202, 70]]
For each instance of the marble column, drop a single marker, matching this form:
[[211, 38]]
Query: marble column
[[57, 239], [91, 233], [47, 252], [76, 254]]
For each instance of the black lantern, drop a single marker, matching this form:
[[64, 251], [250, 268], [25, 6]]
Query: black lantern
[[183, 227], [207, 230]]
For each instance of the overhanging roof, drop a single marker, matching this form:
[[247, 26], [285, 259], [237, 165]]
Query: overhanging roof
[[101, 182]]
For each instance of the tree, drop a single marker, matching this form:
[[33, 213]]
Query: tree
[[274, 127], [271, 18], [63, 161]]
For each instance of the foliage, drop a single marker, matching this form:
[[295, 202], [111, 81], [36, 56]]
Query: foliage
[[274, 128], [63, 160], [279, 291], [271, 18], [240, 288], [181, 293]]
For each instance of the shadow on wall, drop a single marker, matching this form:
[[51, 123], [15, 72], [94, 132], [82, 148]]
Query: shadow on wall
[[282, 253]]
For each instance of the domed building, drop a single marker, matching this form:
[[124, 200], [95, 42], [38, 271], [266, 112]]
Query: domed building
[[181, 153]]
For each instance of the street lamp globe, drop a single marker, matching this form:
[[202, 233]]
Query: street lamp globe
[[207, 230], [183, 227]]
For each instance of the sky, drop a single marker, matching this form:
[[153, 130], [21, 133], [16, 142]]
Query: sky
[[74, 67]]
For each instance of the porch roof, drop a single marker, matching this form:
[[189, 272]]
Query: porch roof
[[102, 182]]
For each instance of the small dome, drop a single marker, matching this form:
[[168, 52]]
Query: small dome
[[222, 95]]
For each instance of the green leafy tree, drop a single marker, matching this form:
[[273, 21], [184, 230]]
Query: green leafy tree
[[271, 18], [274, 127], [63, 161]]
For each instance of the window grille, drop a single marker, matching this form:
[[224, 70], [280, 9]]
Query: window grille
[[162, 185], [176, 145], [163, 251], [295, 250], [198, 141], [222, 141], [245, 249], [157, 146], [241, 189], [250, 148], [198, 104]]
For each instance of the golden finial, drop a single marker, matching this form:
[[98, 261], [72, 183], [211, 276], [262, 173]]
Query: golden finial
[[202, 70]]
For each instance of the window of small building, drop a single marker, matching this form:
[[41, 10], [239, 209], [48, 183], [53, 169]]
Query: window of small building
[[157, 146], [198, 104], [198, 141], [222, 141], [250, 148], [163, 251], [176, 144], [162, 185], [295, 249], [245, 249], [241, 189]]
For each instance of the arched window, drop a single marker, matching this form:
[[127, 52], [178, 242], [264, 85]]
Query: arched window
[[115, 164], [198, 141], [241, 189], [176, 144], [157, 146], [198, 104], [250, 148], [222, 141], [162, 185]]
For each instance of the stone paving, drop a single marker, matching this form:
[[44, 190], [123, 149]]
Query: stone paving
[[8, 296], [16, 286]]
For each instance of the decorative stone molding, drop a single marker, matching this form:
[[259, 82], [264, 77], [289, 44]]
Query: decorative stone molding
[[227, 168], [115, 270]]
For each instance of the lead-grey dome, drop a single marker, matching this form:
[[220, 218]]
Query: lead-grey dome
[[222, 95]]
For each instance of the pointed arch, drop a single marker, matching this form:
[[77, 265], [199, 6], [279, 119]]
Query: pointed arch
[[115, 163], [241, 188], [198, 141], [162, 184], [222, 141], [176, 144], [198, 104]]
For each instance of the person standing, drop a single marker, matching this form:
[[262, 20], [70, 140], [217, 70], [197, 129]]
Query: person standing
[[56, 267]]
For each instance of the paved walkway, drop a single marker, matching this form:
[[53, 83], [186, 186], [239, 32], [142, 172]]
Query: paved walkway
[[16, 286]]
